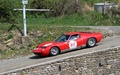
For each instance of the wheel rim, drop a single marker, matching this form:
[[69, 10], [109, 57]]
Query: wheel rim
[[91, 42], [54, 51]]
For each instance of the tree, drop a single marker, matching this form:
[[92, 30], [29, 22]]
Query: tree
[[6, 10]]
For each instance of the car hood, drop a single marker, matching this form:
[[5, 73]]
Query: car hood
[[46, 44]]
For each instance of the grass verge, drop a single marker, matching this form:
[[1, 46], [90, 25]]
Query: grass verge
[[37, 35], [79, 19]]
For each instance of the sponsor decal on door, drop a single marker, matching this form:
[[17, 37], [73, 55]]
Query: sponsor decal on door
[[72, 44]]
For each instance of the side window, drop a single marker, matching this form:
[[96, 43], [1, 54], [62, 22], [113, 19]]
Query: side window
[[74, 37]]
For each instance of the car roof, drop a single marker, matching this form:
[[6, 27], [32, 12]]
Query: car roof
[[72, 33]]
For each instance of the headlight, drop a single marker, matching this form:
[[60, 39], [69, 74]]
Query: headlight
[[35, 48]]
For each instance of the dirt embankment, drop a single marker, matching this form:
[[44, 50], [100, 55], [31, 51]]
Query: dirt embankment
[[15, 40]]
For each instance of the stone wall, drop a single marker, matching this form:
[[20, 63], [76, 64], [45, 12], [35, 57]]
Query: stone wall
[[104, 62]]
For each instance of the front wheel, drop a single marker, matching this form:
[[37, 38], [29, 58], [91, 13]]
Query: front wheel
[[54, 51], [91, 42]]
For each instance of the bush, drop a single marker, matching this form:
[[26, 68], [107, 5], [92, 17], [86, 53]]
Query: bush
[[6, 10], [60, 7]]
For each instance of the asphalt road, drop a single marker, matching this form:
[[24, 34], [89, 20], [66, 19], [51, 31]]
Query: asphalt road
[[31, 60]]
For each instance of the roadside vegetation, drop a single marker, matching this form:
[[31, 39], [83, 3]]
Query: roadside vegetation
[[46, 26], [13, 45], [64, 12]]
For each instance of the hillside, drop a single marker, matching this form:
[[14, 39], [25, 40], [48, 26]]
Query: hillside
[[46, 28], [14, 44], [64, 12]]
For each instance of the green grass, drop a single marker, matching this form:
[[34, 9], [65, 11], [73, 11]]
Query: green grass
[[88, 19], [50, 28], [7, 54], [41, 34], [46, 34]]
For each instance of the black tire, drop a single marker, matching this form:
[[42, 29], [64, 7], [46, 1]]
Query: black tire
[[91, 42], [54, 51]]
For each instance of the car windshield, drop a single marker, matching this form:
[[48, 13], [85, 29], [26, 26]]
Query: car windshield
[[62, 38]]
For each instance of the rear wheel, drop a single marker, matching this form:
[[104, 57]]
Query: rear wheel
[[91, 42], [54, 51]]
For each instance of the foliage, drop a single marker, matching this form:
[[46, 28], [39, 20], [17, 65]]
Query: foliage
[[7, 14], [65, 9], [59, 7], [39, 34], [47, 34], [9, 37], [64, 15], [91, 2], [6, 10], [78, 19]]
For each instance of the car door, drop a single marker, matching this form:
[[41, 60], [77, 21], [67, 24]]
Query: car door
[[72, 42], [75, 41], [63, 42]]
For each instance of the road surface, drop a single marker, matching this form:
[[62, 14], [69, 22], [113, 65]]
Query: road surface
[[21, 62]]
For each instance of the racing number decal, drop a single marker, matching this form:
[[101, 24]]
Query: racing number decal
[[72, 44]]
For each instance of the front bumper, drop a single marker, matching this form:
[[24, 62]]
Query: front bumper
[[37, 50], [40, 52]]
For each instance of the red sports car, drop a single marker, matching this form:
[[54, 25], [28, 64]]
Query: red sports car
[[68, 41]]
